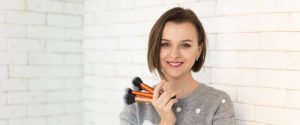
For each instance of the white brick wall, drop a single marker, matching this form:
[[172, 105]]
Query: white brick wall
[[47, 47], [253, 55], [41, 62]]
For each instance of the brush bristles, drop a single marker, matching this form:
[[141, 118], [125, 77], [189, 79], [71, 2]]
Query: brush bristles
[[137, 82], [129, 99], [128, 91]]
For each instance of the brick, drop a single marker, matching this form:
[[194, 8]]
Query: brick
[[2, 16], [91, 6], [73, 108], [3, 72], [238, 41], [118, 5], [241, 77], [32, 97], [129, 70], [45, 109], [73, 59], [292, 99], [64, 20], [28, 45], [294, 60], [2, 44], [102, 70], [278, 79], [240, 7], [279, 115], [19, 17], [74, 34], [65, 71], [29, 71], [211, 42], [46, 84], [138, 57], [222, 59], [201, 8], [70, 119], [131, 43], [74, 84], [216, 24], [261, 96], [244, 111], [12, 111], [146, 3], [3, 98], [14, 85], [294, 24], [280, 5], [29, 121], [3, 122], [63, 96], [224, 76], [63, 46], [73, 8], [274, 60], [45, 6], [45, 59], [18, 98], [12, 4], [45, 32], [102, 44], [273, 41], [13, 58], [262, 22], [11, 30]]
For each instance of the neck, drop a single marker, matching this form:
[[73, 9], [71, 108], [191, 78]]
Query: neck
[[184, 85]]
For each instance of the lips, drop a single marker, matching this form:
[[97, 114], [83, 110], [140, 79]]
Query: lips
[[174, 64]]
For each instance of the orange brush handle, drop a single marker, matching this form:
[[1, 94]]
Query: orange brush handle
[[142, 94], [146, 87], [140, 99]]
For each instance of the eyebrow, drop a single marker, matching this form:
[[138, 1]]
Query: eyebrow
[[185, 40]]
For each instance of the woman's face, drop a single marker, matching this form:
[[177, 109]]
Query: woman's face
[[179, 49]]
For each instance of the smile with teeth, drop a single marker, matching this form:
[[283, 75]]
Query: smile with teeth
[[175, 64]]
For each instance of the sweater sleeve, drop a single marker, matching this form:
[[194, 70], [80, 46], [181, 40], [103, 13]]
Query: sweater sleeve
[[224, 114], [128, 115]]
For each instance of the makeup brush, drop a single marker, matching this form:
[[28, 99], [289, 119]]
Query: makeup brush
[[130, 99], [143, 94], [138, 83]]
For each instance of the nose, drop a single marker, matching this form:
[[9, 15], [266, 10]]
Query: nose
[[175, 52]]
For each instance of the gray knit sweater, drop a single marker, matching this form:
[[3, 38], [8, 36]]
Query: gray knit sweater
[[204, 106]]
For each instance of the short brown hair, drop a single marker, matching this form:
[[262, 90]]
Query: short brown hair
[[177, 15]]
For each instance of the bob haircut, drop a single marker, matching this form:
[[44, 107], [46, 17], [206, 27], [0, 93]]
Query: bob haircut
[[177, 15]]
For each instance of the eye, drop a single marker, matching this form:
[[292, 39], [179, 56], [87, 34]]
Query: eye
[[165, 44], [186, 45]]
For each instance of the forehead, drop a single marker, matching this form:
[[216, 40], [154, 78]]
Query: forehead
[[179, 31]]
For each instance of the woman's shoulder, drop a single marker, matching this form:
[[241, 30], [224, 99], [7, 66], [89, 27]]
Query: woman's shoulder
[[214, 93]]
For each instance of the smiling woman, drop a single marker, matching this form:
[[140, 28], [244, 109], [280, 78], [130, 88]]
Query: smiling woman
[[177, 46]]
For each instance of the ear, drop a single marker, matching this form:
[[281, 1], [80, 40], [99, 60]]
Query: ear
[[199, 51]]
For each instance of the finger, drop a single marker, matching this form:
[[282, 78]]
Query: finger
[[171, 103], [157, 88], [168, 97], [162, 96]]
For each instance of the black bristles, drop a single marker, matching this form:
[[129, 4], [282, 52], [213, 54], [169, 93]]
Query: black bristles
[[129, 99], [128, 91], [137, 82]]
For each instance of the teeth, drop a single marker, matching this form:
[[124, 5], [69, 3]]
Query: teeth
[[175, 64]]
